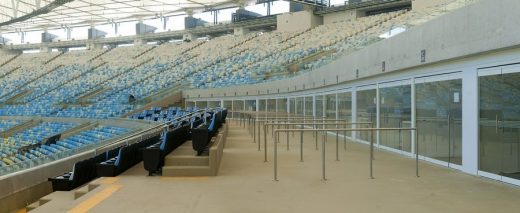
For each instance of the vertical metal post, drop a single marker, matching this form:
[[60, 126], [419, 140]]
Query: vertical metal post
[[276, 157], [345, 137], [277, 127], [371, 153], [337, 144], [315, 131], [287, 133], [301, 144], [323, 159], [265, 143], [259, 135], [254, 131], [416, 152]]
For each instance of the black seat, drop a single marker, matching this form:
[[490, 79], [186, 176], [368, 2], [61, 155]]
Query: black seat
[[127, 157], [201, 136], [82, 172], [153, 156]]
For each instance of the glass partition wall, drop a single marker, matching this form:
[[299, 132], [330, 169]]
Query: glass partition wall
[[300, 103], [281, 105], [213, 104], [309, 106], [330, 106], [499, 142], [319, 106], [250, 105], [271, 105], [292, 106], [201, 104], [366, 110], [345, 108], [439, 118], [262, 103], [395, 112]]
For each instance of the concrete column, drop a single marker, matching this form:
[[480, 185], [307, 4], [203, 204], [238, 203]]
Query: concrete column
[[188, 36], [239, 31], [470, 118], [45, 49]]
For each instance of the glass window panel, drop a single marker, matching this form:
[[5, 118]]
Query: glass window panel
[[345, 107], [300, 105], [330, 107], [251, 105], [308, 106], [499, 140], [395, 109], [271, 105], [319, 106], [281, 105], [439, 120], [292, 106], [366, 110], [202, 104], [213, 104], [238, 105], [262, 105]]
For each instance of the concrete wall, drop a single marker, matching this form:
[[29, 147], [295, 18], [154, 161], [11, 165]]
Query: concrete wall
[[482, 27], [423, 4], [297, 21], [342, 16]]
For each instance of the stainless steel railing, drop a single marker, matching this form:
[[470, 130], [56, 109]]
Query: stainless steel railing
[[277, 131]]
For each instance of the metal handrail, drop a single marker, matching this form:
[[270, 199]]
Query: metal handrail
[[301, 136], [125, 139], [350, 130]]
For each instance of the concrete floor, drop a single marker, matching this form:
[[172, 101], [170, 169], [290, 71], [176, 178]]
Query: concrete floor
[[245, 184]]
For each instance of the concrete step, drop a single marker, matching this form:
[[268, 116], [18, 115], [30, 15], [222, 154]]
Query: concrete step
[[185, 160], [84, 190], [60, 196], [185, 171]]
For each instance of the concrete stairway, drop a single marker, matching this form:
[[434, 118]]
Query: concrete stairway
[[184, 161]]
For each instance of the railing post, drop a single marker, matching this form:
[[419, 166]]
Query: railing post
[[371, 153], [276, 157], [265, 143], [301, 144], [323, 158], [287, 127], [337, 143], [345, 136], [416, 152]]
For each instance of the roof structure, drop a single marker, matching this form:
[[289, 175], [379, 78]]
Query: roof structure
[[23, 15]]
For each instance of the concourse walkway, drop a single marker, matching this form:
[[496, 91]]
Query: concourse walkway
[[245, 184]]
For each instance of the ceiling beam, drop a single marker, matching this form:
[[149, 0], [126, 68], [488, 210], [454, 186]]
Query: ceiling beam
[[14, 7]]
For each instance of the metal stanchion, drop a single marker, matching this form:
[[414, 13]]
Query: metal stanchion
[[316, 135], [417, 152], [301, 145], [371, 153], [345, 138], [287, 127], [265, 144], [323, 158], [275, 157], [337, 145]]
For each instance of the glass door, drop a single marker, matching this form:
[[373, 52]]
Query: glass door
[[395, 112], [439, 118], [499, 123]]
